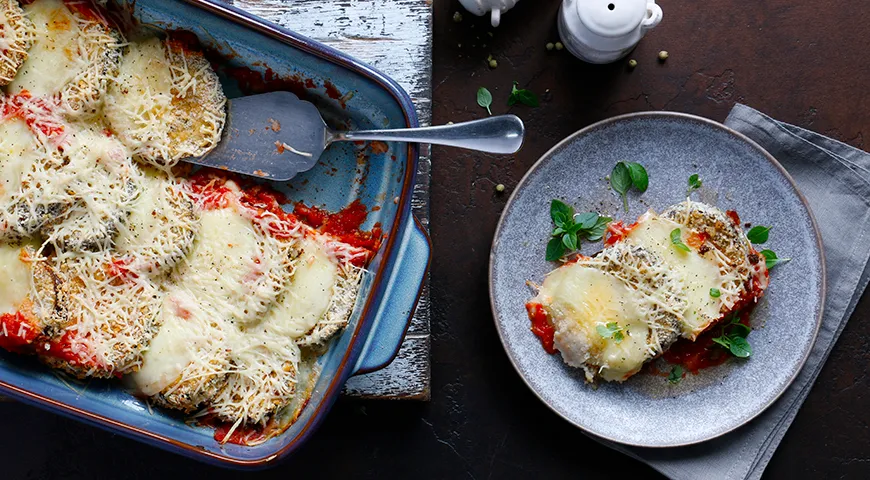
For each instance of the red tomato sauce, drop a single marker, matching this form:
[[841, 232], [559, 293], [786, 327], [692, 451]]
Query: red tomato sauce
[[85, 10], [245, 435], [617, 231], [63, 349], [16, 332], [733, 216], [703, 352], [344, 225], [541, 326], [14, 106]]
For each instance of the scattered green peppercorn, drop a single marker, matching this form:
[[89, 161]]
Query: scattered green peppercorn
[[500, 188], [493, 63], [632, 64], [663, 55], [457, 17], [550, 46], [559, 46]]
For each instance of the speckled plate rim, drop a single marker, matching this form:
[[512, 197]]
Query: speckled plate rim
[[667, 115]]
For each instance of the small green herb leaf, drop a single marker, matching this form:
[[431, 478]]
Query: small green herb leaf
[[611, 330], [559, 207], [620, 180], [677, 240], [724, 341], [715, 293], [771, 259], [561, 220], [484, 99], [555, 249], [596, 233], [740, 347], [694, 183], [639, 177], [570, 241], [758, 234], [526, 97], [570, 229], [676, 374], [586, 220], [740, 330]]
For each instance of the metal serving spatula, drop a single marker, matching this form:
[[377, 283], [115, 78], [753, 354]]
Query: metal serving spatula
[[277, 135]]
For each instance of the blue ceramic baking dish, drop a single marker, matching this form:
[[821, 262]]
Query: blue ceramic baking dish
[[253, 54]]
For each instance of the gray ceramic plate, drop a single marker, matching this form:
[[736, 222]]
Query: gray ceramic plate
[[738, 174]]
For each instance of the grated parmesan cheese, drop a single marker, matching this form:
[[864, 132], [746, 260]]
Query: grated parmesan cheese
[[166, 104], [16, 37], [72, 58]]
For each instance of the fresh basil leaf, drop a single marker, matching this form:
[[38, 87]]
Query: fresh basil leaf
[[724, 341], [715, 293], [639, 177], [758, 234], [526, 97], [561, 220], [695, 182], [676, 374], [586, 220], [677, 240], [739, 346], [484, 99], [555, 249], [557, 231], [771, 259], [740, 330], [558, 206], [620, 181]]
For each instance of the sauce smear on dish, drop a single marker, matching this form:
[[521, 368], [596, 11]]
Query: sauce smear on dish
[[704, 352], [541, 326]]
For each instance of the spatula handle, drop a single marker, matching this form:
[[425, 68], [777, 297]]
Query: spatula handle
[[501, 134]]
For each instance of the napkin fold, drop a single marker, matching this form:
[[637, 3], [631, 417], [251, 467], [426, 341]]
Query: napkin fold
[[835, 179]]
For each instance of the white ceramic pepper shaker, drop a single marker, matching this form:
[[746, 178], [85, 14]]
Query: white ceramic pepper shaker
[[603, 31], [494, 7]]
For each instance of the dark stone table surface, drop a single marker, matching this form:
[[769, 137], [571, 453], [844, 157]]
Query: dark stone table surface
[[801, 61]]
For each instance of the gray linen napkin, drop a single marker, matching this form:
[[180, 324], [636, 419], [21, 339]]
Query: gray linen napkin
[[835, 178]]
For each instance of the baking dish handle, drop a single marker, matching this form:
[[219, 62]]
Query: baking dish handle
[[399, 300]]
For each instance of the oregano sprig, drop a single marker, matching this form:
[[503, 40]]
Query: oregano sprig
[[570, 229], [733, 338]]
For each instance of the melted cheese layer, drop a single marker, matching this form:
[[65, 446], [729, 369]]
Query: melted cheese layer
[[309, 294], [581, 299], [15, 278], [697, 273], [225, 265], [54, 59], [186, 348], [18, 152]]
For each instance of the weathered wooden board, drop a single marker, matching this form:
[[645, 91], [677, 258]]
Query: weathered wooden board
[[395, 36]]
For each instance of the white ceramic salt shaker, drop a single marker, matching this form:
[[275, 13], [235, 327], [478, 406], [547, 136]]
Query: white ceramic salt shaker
[[494, 7], [603, 31]]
